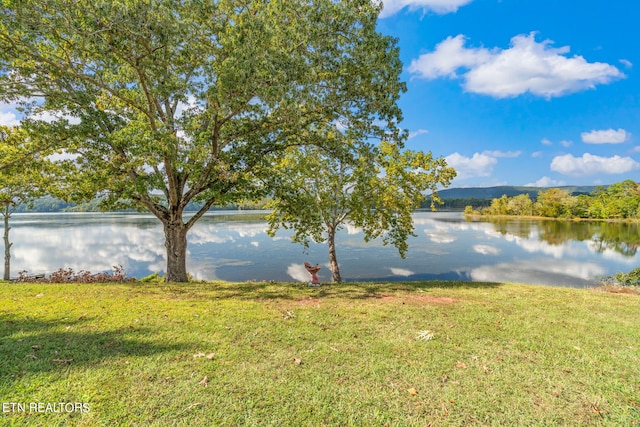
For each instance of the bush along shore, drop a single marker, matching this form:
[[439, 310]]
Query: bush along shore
[[620, 201]]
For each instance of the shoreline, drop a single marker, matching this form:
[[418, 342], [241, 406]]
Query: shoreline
[[544, 218]]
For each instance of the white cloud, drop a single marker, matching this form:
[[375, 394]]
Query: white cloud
[[608, 136], [392, 7], [440, 237], [49, 117], [182, 107], [497, 153], [480, 164], [590, 164], [543, 271], [626, 63], [486, 249], [298, 272], [564, 142], [526, 66], [401, 272], [417, 133], [537, 154], [352, 229], [545, 181], [447, 58], [8, 118], [9, 115]]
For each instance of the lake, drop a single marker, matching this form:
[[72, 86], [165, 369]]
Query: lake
[[234, 246]]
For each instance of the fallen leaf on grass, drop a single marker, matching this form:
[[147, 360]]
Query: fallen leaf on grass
[[193, 405], [595, 409], [445, 411], [461, 365], [426, 335], [63, 361], [297, 361], [288, 315], [204, 382], [412, 391], [36, 347], [209, 356]]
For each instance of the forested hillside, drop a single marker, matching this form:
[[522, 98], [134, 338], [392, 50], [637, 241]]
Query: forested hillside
[[480, 197]]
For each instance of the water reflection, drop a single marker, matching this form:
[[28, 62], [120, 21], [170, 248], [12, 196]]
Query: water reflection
[[235, 247], [573, 253], [620, 237], [546, 271]]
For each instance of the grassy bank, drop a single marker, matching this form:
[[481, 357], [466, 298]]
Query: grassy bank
[[431, 353], [482, 216]]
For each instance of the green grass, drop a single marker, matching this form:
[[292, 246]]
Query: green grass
[[288, 355]]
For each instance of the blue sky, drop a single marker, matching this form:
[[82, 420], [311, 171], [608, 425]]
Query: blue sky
[[522, 92], [518, 92]]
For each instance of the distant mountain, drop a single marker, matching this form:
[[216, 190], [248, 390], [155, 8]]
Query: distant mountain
[[509, 190]]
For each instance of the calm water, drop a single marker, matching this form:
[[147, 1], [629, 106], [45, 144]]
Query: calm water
[[234, 246]]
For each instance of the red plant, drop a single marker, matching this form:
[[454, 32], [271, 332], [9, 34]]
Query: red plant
[[69, 276]]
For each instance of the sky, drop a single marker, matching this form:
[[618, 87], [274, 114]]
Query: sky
[[522, 92], [518, 92]]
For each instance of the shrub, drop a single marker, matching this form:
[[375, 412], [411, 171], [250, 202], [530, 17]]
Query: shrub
[[67, 275]]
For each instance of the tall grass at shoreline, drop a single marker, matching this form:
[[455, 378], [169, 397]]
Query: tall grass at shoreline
[[398, 354]]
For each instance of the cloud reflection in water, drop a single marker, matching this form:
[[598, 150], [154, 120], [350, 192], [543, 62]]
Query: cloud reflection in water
[[236, 247]]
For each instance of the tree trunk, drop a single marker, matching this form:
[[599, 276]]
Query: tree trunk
[[175, 233], [333, 260], [7, 244]]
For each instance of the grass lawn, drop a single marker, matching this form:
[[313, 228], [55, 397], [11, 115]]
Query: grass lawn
[[244, 354]]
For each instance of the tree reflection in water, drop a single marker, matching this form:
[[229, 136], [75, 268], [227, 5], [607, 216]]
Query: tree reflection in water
[[621, 237], [234, 246]]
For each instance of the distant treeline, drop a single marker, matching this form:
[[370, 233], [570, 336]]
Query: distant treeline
[[457, 204], [52, 204], [617, 201]]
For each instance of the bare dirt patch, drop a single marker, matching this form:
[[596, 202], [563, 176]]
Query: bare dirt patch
[[307, 302], [620, 289], [402, 299], [418, 300]]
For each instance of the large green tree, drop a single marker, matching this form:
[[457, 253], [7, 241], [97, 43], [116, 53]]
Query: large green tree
[[553, 203], [24, 175], [373, 187], [185, 100]]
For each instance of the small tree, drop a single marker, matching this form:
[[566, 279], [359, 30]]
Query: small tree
[[499, 206], [623, 199], [553, 203], [374, 188], [23, 175], [520, 205]]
